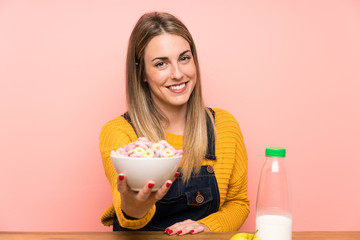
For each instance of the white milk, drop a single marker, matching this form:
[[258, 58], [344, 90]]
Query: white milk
[[273, 227]]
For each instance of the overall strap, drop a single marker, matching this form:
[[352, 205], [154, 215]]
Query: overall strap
[[210, 154], [127, 118]]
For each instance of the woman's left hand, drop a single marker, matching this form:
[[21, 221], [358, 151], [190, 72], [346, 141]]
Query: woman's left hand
[[187, 226]]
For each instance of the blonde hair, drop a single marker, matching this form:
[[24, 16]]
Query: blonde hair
[[147, 119]]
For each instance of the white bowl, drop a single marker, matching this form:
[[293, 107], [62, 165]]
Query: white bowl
[[141, 170]]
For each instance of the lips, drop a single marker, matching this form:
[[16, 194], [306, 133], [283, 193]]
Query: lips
[[178, 88]]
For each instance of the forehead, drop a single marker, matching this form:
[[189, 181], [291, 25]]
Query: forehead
[[166, 45]]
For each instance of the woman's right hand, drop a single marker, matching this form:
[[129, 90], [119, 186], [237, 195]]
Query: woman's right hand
[[136, 204]]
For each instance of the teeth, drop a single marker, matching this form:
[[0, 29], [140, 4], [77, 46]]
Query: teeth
[[177, 87]]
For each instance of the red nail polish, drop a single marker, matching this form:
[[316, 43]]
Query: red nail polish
[[121, 177], [168, 184], [192, 231], [151, 185], [177, 174], [170, 231], [166, 230], [179, 232]]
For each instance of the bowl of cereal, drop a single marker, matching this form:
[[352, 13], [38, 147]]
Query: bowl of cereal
[[144, 161]]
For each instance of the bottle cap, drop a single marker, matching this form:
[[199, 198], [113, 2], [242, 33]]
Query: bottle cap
[[275, 152]]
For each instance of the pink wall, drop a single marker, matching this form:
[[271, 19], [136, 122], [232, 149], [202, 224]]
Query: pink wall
[[288, 70]]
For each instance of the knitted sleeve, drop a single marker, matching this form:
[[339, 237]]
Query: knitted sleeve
[[116, 133], [232, 175]]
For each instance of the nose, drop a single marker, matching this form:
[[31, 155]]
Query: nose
[[176, 73]]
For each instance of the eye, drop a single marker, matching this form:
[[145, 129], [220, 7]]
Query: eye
[[160, 64], [185, 58]]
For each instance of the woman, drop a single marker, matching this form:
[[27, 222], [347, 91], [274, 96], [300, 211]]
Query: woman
[[165, 102]]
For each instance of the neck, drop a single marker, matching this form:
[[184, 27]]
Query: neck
[[177, 118]]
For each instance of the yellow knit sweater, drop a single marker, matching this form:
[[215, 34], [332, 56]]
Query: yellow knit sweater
[[230, 172]]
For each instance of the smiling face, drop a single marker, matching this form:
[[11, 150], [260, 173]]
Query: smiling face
[[170, 71]]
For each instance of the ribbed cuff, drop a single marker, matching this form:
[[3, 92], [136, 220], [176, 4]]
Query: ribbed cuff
[[211, 223], [137, 223]]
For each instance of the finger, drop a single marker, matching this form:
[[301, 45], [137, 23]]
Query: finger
[[185, 227], [145, 192], [175, 176], [191, 228], [121, 183], [175, 228], [163, 190], [197, 229]]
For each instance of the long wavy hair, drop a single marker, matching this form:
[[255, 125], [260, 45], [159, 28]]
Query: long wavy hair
[[146, 117]]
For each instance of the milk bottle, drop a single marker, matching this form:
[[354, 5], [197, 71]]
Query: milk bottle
[[273, 206]]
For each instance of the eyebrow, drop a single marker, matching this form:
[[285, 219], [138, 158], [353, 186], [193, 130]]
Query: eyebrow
[[165, 58]]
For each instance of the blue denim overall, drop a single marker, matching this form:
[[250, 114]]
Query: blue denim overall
[[195, 200]]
